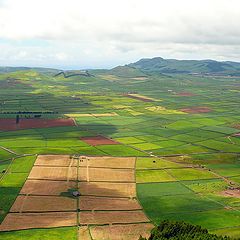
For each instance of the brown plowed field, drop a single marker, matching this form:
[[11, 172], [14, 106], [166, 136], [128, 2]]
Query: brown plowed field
[[9, 124], [104, 162], [55, 160], [108, 198], [53, 173], [109, 162], [17, 221], [120, 232], [108, 189], [98, 140], [102, 203], [43, 203], [113, 217], [44, 187], [106, 174]]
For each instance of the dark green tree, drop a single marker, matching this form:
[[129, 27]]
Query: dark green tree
[[174, 230]]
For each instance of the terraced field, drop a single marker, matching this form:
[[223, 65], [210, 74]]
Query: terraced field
[[182, 130]]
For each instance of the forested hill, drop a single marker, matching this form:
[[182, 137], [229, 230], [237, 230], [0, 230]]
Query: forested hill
[[171, 66]]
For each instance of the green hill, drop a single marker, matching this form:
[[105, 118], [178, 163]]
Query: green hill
[[172, 66], [127, 71]]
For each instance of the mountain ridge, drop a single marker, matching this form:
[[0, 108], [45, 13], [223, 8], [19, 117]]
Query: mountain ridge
[[159, 65]]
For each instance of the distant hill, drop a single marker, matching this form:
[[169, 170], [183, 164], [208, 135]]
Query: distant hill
[[145, 67], [127, 71], [173, 66], [38, 69], [12, 69]]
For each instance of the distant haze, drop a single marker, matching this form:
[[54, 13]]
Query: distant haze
[[76, 34]]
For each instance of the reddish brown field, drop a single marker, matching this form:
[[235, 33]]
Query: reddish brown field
[[9, 124], [111, 217], [196, 110], [18, 221], [98, 140], [120, 232], [185, 94]]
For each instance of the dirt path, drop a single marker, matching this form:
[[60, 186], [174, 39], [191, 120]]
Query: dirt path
[[8, 150]]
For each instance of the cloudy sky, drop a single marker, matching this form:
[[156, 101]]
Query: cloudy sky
[[81, 34]]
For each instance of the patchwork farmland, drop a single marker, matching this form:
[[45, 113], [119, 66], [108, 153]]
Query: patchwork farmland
[[47, 198], [138, 150]]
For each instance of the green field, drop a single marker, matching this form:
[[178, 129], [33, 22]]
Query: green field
[[184, 161]]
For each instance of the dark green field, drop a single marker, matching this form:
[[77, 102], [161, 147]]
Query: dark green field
[[185, 159]]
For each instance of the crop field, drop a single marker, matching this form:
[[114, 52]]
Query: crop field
[[156, 147], [46, 199]]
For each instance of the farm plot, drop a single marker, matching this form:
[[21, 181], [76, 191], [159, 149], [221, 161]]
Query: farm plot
[[195, 110], [47, 187], [98, 140], [18, 221], [107, 196], [106, 174], [25, 203], [123, 231], [108, 189], [108, 162], [53, 173], [108, 203], [45, 199], [55, 160], [9, 124], [112, 217]]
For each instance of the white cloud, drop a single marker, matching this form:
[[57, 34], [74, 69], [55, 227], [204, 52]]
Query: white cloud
[[109, 31]]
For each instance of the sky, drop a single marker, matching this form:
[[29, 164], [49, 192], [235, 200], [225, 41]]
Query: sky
[[77, 34]]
